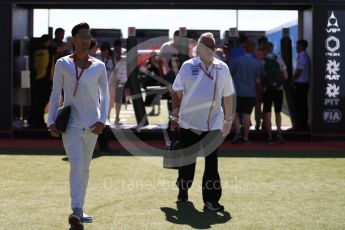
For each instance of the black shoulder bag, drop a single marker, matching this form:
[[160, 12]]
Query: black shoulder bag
[[62, 118]]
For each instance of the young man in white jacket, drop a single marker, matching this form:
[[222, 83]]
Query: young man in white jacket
[[85, 86]]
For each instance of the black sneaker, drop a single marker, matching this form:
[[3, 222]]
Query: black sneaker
[[237, 138], [246, 141], [75, 221], [182, 196], [213, 206], [76, 218]]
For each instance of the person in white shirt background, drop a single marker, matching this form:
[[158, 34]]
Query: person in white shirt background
[[85, 85], [166, 51], [301, 80], [198, 115], [118, 79], [107, 56]]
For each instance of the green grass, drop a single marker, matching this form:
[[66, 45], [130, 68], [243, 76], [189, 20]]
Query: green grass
[[127, 192]]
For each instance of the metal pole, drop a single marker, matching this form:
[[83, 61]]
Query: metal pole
[[48, 18], [286, 54], [237, 18]]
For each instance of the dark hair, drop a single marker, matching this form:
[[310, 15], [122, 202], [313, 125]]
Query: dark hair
[[44, 38], [78, 27], [59, 30], [262, 40], [268, 45], [105, 46], [303, 42], [176, 33], [117, 42]]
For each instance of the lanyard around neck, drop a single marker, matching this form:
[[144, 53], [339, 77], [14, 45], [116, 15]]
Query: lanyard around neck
[[213, 101], [77, 76], [207, 73]]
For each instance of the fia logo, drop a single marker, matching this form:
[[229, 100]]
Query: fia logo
[[332, 25], [332, 116]]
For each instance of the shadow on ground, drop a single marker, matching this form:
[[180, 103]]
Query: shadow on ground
[[186, 214]]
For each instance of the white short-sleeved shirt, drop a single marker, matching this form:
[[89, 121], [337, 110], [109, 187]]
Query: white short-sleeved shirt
[[91, 101], [165, 53], [109, 63], [303, 63], [119, 75], [201, 107]]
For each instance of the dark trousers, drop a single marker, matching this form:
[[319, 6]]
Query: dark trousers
[[301, 103], [103, 139], [211, 184], [40, 93]]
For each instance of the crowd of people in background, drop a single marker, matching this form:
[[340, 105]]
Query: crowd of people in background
[[260, 78]]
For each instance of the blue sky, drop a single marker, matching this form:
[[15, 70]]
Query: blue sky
[[263, 20]]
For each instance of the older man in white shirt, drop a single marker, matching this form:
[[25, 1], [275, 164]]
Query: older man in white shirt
[[85, 86], [199, 88]]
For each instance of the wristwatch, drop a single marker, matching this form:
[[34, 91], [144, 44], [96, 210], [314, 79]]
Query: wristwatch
[[173, 118]]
